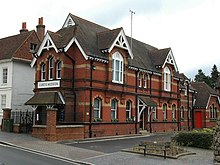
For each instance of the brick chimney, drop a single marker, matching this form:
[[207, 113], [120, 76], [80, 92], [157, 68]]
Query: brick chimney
[[23, 29], [40, 29]]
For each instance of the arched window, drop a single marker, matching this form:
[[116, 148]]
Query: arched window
[[114, 106], [43, 72], [139, 79], [51, 68], [59, 65], [213, 112], [167, 79], [145, 77], [165, 111], [173, 111], [189, 113], [154, 113], [117, 68], [97, 108], [182, 113], [128, 110]]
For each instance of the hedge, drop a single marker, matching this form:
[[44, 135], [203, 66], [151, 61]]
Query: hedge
[[194, 139]]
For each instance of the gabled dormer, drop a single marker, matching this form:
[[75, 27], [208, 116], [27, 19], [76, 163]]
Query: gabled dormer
[[69, 21], [109, 39], [170, 60], [161, 57], [46, 44]]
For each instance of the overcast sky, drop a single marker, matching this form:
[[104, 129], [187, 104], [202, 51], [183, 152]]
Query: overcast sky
[[190, 27]]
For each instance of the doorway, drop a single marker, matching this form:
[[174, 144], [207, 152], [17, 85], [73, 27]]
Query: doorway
[[198, 119]]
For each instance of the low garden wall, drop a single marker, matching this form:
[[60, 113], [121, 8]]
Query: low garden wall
[[64, 132]]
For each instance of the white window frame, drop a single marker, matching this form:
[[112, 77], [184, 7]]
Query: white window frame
[[59, 70], [213, 111], [117, 68], [164, 111], [43, 72], [3, 101], [114, 106], [189, 112], [174, 111], [145, 78], [139, 79], [98, 108], [167, 79], [51, 68], [5, 75], [128, 109], [181, 112], [154, 113]]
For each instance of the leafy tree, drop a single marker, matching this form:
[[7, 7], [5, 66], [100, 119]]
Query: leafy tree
[[214, 76], [201, 77]]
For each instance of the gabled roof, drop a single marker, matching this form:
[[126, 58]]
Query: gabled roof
[[161, 57], [10, 45], [106, 38], [141, 53], [94, 40], [203, 94]]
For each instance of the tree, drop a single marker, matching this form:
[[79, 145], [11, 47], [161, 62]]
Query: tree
[[214, 76], [201, 77]]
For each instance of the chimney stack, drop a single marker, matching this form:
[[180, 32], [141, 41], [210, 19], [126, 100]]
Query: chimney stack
[[24, 29], [40, 29]]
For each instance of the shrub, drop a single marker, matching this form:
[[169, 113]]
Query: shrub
[[195, 139]]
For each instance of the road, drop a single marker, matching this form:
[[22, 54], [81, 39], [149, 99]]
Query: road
[[115, 145], [112, 154], [13, 156]]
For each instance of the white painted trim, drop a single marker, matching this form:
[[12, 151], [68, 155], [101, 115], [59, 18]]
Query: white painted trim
[[78, 45], [61, 97], [41, 48], [211, 95], [46, 38], [174, 61], [122, 33], [66, 23]]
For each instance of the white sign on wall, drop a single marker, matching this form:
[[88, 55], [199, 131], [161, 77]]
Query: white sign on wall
[[49, 84]]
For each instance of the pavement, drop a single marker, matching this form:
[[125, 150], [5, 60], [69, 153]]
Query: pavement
[[90, 157]]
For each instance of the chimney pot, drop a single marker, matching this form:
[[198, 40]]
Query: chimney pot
[[40, 29], [23, 25], [40, 21], [24, 28]]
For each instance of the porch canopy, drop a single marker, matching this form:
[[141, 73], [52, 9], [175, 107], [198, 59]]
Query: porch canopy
[[145, 102], [46, 98]]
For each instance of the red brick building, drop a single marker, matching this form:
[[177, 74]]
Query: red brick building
[[97, 80], [206, 105]]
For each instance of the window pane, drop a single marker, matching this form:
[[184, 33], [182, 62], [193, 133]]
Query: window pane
[[59, 69], [128, 109], [117, 65], [3, 101], [5, 75], [97, 108], [113, 109]]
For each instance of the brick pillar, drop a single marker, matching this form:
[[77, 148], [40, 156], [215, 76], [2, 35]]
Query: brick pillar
[[51, 124], [6, 115]]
